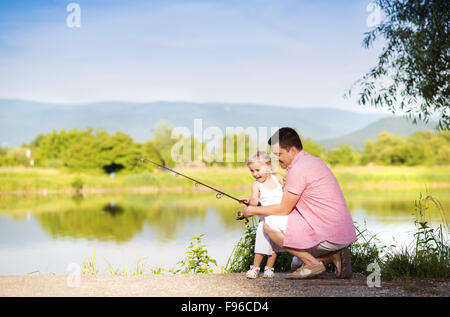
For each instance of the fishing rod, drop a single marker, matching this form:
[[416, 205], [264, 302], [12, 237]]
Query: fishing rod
[[219, 194]]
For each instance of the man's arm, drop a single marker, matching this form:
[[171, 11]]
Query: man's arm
[[284, 208]]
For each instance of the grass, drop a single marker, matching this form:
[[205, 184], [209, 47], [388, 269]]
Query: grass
[[196, 260], [429, 256], [35, 179], [390, 175], [243, 253]]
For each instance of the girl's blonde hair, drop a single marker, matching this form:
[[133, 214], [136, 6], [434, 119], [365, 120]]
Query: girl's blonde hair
[[260, 156]]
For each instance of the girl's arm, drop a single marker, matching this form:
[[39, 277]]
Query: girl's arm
[[283, 209], [254, 200]]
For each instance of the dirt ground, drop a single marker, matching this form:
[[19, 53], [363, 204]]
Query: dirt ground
[[214, 285]]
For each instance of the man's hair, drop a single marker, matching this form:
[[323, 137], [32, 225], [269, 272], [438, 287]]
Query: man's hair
[[286, 137]]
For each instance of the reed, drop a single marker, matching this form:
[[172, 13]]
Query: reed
[[89, 265], [429, 254]]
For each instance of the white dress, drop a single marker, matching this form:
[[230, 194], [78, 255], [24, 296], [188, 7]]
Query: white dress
[[263, 244]]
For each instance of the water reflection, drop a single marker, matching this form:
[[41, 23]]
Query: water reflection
[[397, 206], [36, 232], [112, 208], [118, 218], [121, 217]]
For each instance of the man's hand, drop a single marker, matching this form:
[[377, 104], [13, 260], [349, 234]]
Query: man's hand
[[247, 211]]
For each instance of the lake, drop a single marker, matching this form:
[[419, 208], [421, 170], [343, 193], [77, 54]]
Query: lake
[[47, 233]]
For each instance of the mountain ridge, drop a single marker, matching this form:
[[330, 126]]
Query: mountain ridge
[[397, 125], [22, 120]]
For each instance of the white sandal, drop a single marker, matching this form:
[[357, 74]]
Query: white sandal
[[253, 272], [268, 272]]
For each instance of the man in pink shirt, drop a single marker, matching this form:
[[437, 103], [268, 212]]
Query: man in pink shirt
[[319, 226]]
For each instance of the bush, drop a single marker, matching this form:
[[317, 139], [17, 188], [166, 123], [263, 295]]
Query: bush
[[197, 259], [77, 184], [243, 254]]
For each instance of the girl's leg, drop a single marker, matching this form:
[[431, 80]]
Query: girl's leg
[[253, 272], [271, 260], [258, 259], [268, 270]]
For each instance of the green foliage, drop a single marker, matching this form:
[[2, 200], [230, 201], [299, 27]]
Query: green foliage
[[314, 149], [235, 149], [8, 161], [19, 156], [197, 259], [89, 150], [427, 257], [412, 72], [243, 254], [421, 148], [89, 265], [164, 142], [77, 184], [365, 250], [344, 155]]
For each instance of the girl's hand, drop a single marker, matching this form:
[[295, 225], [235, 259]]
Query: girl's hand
[[245, 200]]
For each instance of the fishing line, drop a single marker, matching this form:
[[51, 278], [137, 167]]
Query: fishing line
[[219, 194]]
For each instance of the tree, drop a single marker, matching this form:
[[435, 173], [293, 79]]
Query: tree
[[413, 70], [344, 155], [313, 148], [237, 148], [164, 142]]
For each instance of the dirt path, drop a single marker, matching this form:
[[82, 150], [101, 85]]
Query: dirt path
[[213, 285]]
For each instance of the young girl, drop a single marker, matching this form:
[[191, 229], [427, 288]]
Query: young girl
[[268, 190]]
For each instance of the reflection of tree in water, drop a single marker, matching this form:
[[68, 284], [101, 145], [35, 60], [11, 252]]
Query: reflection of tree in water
[[94, 217], [391, 206], [113, 209], [87, 222], [171, 212], [166, 215]]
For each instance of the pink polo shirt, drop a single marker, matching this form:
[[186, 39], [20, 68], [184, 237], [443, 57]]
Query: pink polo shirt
[[321, 213]]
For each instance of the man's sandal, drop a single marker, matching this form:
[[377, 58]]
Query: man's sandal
[[307, 271]]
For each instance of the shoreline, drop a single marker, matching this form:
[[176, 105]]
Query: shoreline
[[192, 189]]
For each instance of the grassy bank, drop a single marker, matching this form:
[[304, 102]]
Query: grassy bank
[[30, 180]]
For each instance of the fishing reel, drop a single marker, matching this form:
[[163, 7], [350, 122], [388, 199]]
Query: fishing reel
[[240, 216]]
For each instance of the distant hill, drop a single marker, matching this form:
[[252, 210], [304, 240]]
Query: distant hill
[[21, 121], [394, 125]]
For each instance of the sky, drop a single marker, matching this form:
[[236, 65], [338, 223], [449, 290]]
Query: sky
[[273, 52]]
